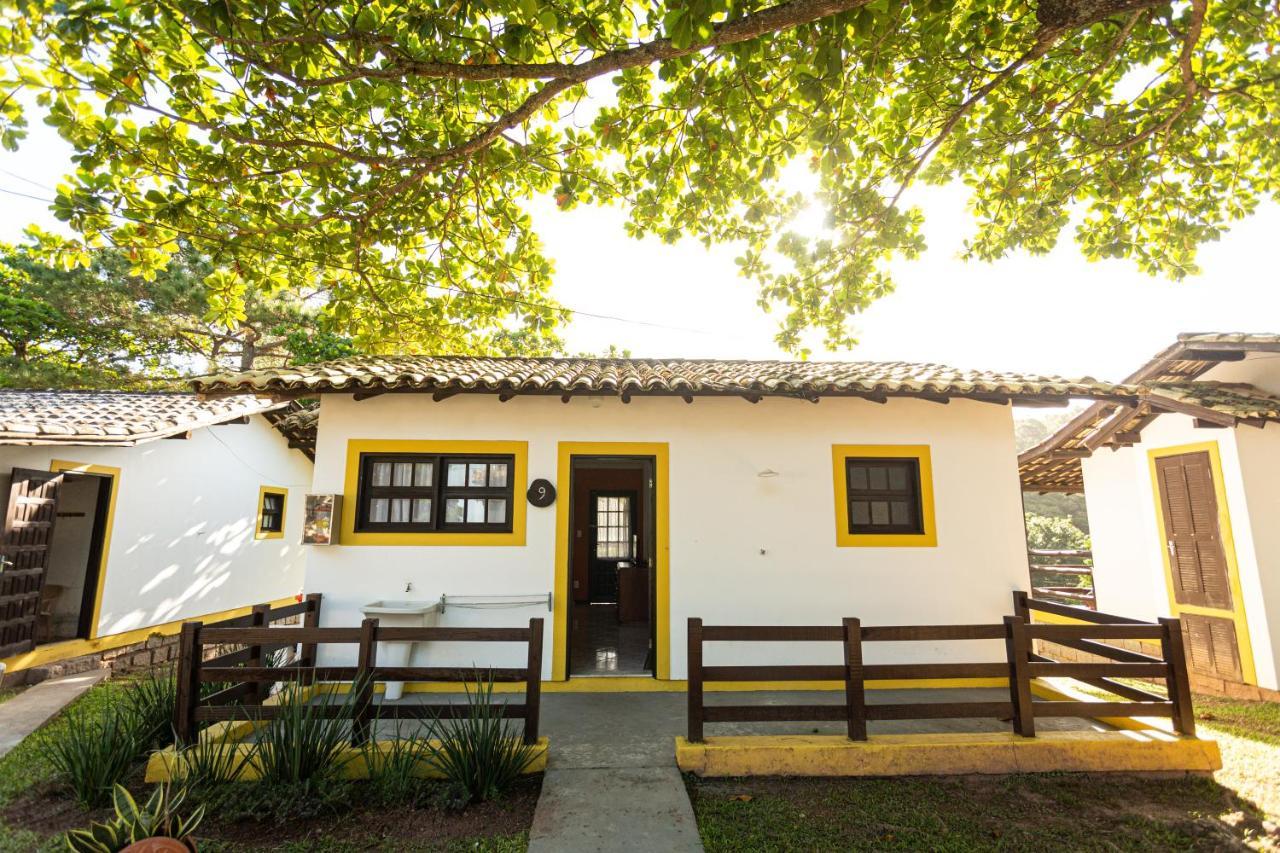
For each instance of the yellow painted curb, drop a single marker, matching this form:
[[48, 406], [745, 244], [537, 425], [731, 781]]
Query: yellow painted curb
[[947, 754], [166, 765]]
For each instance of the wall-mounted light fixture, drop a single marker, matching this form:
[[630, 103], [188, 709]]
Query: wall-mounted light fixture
[[767, 473]]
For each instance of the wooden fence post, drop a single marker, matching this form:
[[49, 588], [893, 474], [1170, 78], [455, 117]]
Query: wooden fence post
[[1017, 649], [1020, 608], [307, 652], [695, 681], [258, 618], [1177, 681], [854, 689], [188, 683], [533, 682], [367, 660]]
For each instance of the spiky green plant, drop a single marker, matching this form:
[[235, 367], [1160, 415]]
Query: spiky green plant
[[157, 818], [216, 758], [482, 753], [94, 751], [152, 698], [394, 777], [303, 742]]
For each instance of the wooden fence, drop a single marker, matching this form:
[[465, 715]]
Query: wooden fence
[[1063, 576], [249, 678], [1020, 667]]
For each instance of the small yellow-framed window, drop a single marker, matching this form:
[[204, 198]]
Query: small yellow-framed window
[[363, 523], [883, 496], [271, 507]]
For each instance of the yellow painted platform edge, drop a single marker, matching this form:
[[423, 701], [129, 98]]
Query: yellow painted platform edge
[[947, 754], [165, 766]]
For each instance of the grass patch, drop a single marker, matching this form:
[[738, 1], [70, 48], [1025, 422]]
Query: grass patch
[[7, 693], [1258, 721], [1043, 812]]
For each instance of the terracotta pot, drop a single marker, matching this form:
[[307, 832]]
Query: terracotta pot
[[159, 845]]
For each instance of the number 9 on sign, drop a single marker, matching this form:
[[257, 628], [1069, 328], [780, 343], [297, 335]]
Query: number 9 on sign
[[542, 493]]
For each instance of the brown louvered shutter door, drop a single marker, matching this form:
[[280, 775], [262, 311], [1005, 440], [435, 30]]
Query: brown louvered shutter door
[[1211, 646], [1190, 508], [24, 555]]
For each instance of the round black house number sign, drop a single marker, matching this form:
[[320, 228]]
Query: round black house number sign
[[542, 493]]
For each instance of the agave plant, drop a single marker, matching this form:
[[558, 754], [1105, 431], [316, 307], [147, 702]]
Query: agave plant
[[92, 752], [157, 818], [482, 753], [152, 698]]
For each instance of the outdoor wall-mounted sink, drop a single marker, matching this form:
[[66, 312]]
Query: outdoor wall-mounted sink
[[400, 614]]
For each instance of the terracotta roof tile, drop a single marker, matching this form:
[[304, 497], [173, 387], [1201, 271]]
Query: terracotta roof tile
[[692, 377], [109, 417]]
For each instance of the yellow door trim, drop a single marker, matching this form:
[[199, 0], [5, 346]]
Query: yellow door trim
[[69, 467], [662, 559], [1225, 532], [76, 648]]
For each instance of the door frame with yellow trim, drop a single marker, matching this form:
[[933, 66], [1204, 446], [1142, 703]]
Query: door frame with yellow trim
[[1226, 535], [113, 474], [659, 453]]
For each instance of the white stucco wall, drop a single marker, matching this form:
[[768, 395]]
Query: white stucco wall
[[722, 515], [1128, 557], [182, 541]]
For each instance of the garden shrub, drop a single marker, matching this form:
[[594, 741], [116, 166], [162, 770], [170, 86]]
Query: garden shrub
[[92, 752], [481, 753]]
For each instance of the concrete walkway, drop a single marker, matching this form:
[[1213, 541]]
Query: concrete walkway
[[612, 783], [35, 706]]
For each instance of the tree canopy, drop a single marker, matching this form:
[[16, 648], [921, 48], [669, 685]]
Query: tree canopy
[[383, 151], [102, 327]]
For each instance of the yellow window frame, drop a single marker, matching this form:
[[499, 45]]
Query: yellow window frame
[[840, 453], [283, 494], [518, 450]]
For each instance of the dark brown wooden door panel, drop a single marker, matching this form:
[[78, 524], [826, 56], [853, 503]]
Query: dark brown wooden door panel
[[1211, 646], [1189, 506], [24, 555]]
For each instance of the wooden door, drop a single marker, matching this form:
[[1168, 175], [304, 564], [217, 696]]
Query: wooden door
[[24, 555], [1211, 646], [1189, 504]]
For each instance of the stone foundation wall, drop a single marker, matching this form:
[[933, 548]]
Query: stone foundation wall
[[156, 650]]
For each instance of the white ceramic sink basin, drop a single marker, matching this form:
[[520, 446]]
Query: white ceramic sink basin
[[400, 614]]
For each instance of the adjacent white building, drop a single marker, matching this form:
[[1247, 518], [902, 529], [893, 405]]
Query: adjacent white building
[[617, 498], [1183, 496], [128, 513]]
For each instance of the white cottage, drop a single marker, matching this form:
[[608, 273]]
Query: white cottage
[[1183, 491], [128, 513], [618, 497]]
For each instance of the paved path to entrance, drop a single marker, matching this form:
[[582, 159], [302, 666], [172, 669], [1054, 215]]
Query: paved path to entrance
[[611, 782], [35, 706]]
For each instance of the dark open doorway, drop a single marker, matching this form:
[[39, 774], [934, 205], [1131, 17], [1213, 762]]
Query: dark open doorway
[[611, 576], [70, 588]]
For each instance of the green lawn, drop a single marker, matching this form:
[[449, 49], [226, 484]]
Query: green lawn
[[34, 812], [1045, 812]]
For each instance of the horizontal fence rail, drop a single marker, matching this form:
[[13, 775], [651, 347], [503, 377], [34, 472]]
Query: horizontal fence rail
[[1062, 575], [250, 675], [1021, 666]]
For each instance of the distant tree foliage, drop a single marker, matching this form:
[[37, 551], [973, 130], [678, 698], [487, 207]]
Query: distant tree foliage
[[383, 152], [102, 326], [1057, 534]]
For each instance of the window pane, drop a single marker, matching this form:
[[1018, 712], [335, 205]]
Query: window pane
[[381, 474], [858, 478], [898, 479], [497, 511], [403, 475], [271, 503], [877, 479], [879, 512], [861, 512], [400, 510], [422, 473], [457, 474], [422, 510], [478, 475], [899, 512], [455, 510], [475, 511], [378, 509], [498, 474], [269, 521]]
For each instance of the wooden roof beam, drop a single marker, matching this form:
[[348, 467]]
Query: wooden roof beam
[[1109, 427], [1209, 415], [1195, 354], [444, 393]]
